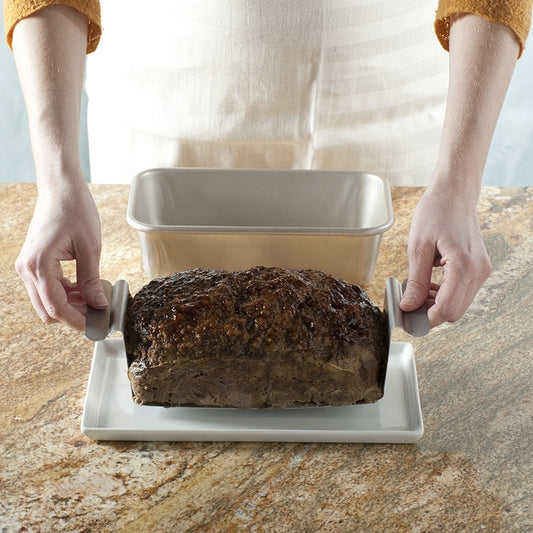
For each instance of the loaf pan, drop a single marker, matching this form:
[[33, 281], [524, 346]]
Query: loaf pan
[[236, 219]]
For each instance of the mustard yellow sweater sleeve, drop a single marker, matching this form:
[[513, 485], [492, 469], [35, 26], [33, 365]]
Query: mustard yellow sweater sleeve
[[515, 14], [15, 10]]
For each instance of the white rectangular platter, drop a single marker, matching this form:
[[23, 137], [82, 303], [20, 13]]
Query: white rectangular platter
[[111, 414]]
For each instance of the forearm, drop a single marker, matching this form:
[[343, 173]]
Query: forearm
[[49, 49], [482, 59], [445, 231]]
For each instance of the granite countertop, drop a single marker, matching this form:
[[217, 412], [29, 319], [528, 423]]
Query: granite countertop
[[471, 471]]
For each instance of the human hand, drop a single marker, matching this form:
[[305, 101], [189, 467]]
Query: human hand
[[65, 226], [445, 233]]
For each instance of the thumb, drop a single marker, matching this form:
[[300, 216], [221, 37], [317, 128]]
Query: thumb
[[419, 279], [88, 280]]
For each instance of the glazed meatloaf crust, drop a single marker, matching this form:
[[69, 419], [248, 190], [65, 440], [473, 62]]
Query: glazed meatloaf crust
[[260, 338]]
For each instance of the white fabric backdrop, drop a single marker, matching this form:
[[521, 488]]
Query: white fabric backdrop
[[329, 84]]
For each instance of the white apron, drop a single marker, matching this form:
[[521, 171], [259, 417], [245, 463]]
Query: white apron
[[314, 84]]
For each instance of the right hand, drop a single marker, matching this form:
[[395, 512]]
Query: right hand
[[445, 232], [65, 226]]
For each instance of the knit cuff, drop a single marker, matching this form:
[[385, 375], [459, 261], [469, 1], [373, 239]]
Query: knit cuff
[[515, 14], [16, 10]]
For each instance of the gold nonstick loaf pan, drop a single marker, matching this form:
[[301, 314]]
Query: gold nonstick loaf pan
[[235, 219]]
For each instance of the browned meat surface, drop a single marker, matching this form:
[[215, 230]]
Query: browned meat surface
[[265, 337]]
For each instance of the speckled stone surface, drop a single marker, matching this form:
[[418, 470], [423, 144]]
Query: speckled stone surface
[[471, 471]]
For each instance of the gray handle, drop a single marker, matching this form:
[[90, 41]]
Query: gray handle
[[101, 322], [416, 323]]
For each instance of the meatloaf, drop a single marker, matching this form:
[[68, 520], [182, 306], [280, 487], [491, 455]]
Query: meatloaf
[[260, 338]]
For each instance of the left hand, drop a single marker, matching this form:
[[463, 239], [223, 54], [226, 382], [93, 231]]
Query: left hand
[[445, 233]]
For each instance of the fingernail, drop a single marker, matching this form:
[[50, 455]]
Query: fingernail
[[408, 299], [100, 299]]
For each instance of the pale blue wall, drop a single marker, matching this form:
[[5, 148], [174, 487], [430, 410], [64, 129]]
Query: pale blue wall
[[510, 160]]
